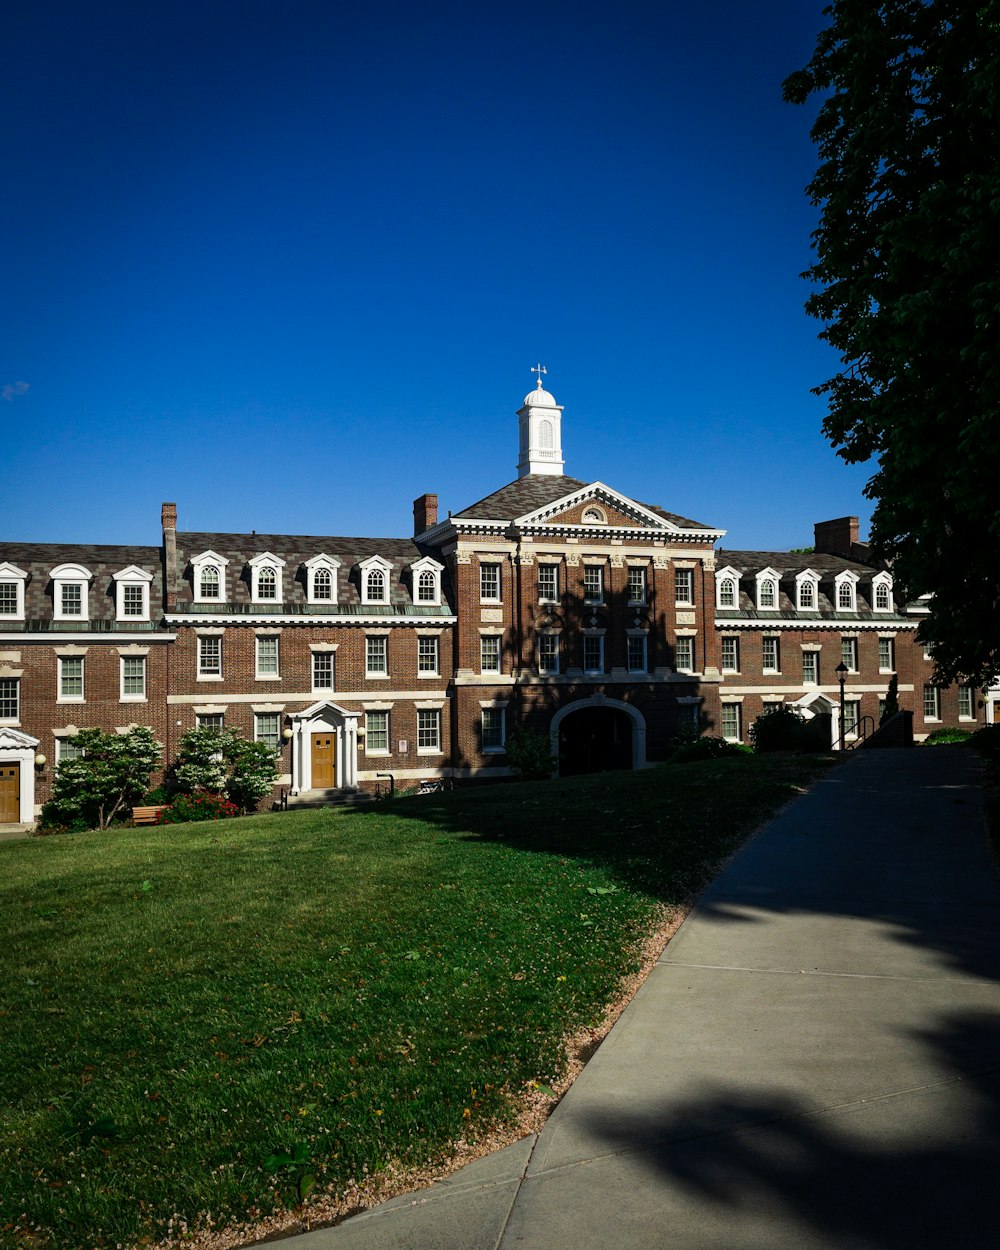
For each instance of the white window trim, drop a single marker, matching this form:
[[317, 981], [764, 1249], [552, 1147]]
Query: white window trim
[[549, 564], [133, 698], [371, 565], [856, 667], [768, 575], [548, 672], [689, 635], [882, 579], [683, 568], [775, 638], [380, 752], [967, 716], [267, 560], [644, 635], [591, 563], [377, 674], [426, 564], [258, 639], [256, 728], [132, 576], [729, 638], [847, 578], [599, 635], [71, 575], [722, 576], [199, 674], [499, 667], [436, 750], [807, 578], [497, 563], [892, 652], [197, 564], [15, 675], [428, 673], [331, 651], [502, 749], [71, 698], [332, 565], [937, 701], [11, 573], [644, 570], [738, 704]]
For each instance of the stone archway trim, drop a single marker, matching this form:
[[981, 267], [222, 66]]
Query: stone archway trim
[[600, 700]]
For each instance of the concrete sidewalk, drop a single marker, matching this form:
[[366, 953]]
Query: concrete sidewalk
[[813, 1063]]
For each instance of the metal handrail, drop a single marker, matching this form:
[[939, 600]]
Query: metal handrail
[[862, 730]]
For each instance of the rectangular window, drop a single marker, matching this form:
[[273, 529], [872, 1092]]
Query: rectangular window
[[932, 703], [428, 651], [71, 599], [322, 670], [493, 728], [133, 677], [376, 655], [730, 655], [10, 703], [489, 583], [882, 704], [684, 655], [849, 653], [548, 653], [771, 655], [732, 728], [211, 720], [209, 657], [267, 656], [67, 749], [636, 584], [636, 653], [593, 583], [489, 653], [548, 583], [966, 704], [8, 598], [852, 715], [428, 729], [593, 653], [267, 728], [810, 667], [133, 600], [886, 655], [376, 733], [684, 585], [71, 678]]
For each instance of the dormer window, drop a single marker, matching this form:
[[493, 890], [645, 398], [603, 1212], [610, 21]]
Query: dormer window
[[882, 592], [426, 574], [132, 594], [727, 588], [265, 578], [208, 576], [806, 591], [845, 592], [12, 580], [767, 590], [375, 580], [594, 516], [321, 579], [70, 590]]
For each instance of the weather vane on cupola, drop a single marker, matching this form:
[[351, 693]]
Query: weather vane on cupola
[[539, 369]]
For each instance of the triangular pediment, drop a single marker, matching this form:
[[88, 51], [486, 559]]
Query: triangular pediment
[[597, 506]]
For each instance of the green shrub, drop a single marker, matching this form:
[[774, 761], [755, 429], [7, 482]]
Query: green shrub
[[202, 806], [529, 753], [987, 741], [155, 797], [223, 762], [780, 728], [105, 782], [943, 736], [891, 707], [708, 748]]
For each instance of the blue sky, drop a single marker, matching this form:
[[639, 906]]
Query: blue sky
[[288, 262]]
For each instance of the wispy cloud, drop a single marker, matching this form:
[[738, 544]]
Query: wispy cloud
[[11, 391]]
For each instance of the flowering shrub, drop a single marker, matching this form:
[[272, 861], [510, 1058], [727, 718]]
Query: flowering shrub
[[200, 806]]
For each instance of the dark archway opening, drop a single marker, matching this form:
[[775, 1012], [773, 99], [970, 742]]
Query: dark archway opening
[[594, 740]]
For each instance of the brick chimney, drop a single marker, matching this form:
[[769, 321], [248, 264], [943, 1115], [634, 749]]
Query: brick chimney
[[836, 538], [168, 519], [425, 513]]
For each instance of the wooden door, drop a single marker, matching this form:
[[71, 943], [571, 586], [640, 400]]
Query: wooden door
[[324, 761], [996, 712], [10, 794]]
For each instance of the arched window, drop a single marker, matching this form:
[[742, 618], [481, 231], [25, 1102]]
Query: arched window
[[883, 601], [727, 593], [267, 584], [545, 437], [845, 595], [426, 587], [768, 593], [210, 588], [322, 584], [375, 586]]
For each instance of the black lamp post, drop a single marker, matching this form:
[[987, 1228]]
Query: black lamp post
[[841, 671]]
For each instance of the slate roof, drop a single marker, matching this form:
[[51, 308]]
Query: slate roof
[[536, 490], [102, 561], [295, 549], [787, 564]]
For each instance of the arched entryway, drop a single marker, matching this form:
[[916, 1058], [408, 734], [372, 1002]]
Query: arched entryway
[[596, 735], [822, 716]]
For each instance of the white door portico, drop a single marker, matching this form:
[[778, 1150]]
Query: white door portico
[[17, 750], [815, 703], [324, 718]]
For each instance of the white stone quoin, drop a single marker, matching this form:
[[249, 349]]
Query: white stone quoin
[[540, 426]]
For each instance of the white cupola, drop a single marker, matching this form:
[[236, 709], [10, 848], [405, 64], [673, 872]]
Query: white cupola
[[540, 425]]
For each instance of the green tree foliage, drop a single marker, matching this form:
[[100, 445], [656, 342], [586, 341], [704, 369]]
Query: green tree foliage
[[908, 284], [102, 784], [529, 753], [221, 761], [891, 700]]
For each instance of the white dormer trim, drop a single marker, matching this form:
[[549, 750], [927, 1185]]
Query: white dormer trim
[[135, 577], [426, 573], [327, 564], [11, 573], [883, 579], [370, 567], [849, 581], [722, 576], [64, 578], [198, 566], [267, 560], [768, 586], [808, 577]]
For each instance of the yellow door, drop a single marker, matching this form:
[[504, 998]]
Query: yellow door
[[10, 794], [324, 762], [996, 711]]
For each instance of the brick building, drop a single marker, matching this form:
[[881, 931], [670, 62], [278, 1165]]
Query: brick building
[[555, 603]]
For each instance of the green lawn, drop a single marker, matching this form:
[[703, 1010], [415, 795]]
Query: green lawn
[[180, 1006]]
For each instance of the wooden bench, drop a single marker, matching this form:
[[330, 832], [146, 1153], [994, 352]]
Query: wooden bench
[[147, 815]]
